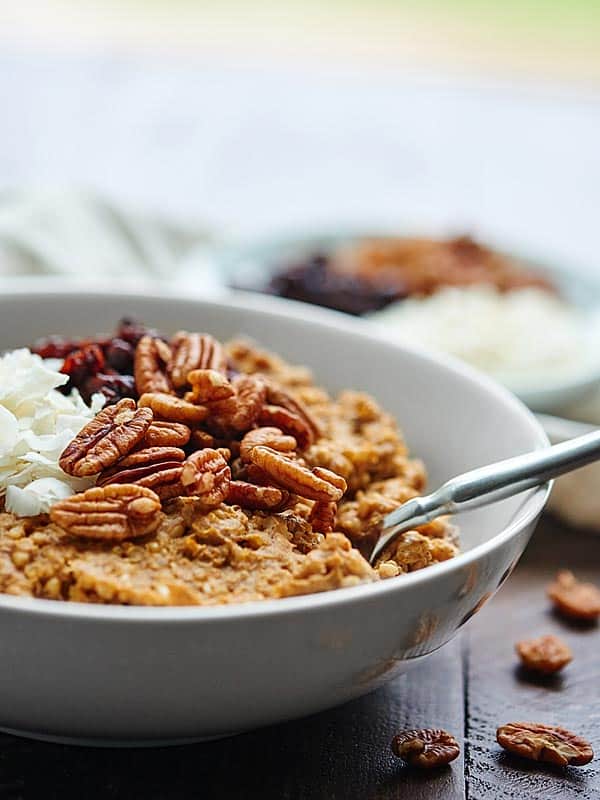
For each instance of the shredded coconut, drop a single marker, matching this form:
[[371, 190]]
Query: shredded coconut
[[521, 337], [37, 422]]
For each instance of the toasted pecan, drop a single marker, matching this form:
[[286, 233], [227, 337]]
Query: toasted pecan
[[173, 409], [269, 437], [112, 434], [317, 484], [206, 476], [149, 366], [256, 498], [111, 512], [193, 351]]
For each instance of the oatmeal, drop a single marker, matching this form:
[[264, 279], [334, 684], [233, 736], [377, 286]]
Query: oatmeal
[[366, 275], [224, 475]]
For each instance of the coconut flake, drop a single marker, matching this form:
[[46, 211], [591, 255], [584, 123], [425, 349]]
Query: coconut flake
[[37, 497], [37, 422]]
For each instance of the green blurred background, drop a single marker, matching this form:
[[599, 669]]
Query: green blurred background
[[547, 38]]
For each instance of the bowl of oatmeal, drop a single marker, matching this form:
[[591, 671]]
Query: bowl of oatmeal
[[531, 326], [185, 496]]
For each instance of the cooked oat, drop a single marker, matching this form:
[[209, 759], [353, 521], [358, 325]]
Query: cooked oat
[[260, 541]]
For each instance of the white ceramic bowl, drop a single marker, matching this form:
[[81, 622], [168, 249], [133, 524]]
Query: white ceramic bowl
[[143, 675]]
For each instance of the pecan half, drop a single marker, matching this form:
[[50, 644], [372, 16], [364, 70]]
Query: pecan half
[[149, 366], [322, 516], [201, 439], [269, 437], [192, 351], [157, 468], [167, 434], [208, 385], [256, 498], [574, 599], [546, 655], [318, 484], [109, 512], [173, 409], [289, 422], [250, 473], [113, 433], [426, 748], [278, 396], [206, 475], [239, 413], [548, 743]]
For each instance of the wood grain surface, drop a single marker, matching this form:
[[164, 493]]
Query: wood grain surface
[[345, 753], [498, 691]]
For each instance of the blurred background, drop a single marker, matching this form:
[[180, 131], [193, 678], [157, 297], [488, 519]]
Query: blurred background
[[249, 118]]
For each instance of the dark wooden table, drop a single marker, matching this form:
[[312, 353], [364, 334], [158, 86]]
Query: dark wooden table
[[469, 687]]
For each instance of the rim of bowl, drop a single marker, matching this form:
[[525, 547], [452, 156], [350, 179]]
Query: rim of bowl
[[533, 502]]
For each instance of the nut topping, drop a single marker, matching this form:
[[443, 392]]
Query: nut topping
[[113, 433], [149, 366], [545, 655], [289, 422], [256, 498], [153, 467], [574, 599], [208, 385], [173, 409], [206, 475], [318, 484], [110, 512], [166, 434], [322, 516], [548, 743], [193, 351], [239, 413], [269, 437], [278, 396], [426, 748]]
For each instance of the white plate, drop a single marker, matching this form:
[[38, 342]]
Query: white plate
[[111, 674]]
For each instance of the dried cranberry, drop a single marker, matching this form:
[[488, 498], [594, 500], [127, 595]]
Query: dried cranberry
[[113, 387], [119, 355], [314, 281], [55, 346], [80, 364]]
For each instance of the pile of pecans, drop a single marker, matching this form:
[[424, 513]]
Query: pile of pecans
[[194, 428]]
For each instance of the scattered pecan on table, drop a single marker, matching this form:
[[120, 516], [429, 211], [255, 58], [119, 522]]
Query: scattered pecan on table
[[426, 748], [545, 655], [548, 743], [573, 598]]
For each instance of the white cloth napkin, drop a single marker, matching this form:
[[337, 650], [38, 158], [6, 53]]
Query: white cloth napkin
[[81, 235]]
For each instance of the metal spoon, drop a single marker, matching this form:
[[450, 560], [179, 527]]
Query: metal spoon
[[483, 486]]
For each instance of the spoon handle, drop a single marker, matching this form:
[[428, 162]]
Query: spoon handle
[[485, 485]]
